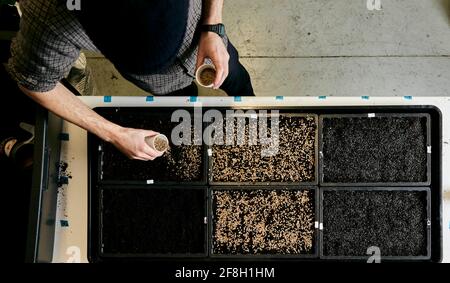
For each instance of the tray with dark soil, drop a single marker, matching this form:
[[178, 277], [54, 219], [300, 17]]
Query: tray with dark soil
[[396, 221], [295, 162], [180, 164], [264, 222], [153, 222], [378, 151]]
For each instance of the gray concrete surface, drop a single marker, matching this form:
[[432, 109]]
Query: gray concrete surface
[[326, 47]]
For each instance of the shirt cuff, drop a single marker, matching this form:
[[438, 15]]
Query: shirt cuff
[[30, 81]]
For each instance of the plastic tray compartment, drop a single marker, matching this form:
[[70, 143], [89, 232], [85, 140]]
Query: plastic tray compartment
[[185, 164], [295, 162], [378, 149], [256, 222], [139, 222], [397, 221]]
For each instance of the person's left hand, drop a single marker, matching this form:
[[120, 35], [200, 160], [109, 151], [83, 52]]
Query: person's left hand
[[211, 46]]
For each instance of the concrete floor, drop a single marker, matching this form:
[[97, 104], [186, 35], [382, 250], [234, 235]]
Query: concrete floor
[[332, 48]]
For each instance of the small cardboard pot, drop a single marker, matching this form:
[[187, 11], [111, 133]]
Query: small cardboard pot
[[158, 142], [205, 70]]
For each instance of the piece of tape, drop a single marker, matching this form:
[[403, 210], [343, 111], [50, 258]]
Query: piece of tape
[[149, 99], [279, 97], [150, 182], [365, 97], [322, 97], [237, 99], [64, 136], [209, 152], [107, 99], [321, 226], [408, 97], [316, 224], [428, 149], [193, 98], [63, 180], [371, 115]]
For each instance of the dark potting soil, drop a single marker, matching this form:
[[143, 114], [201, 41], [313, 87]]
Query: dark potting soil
[[153, 221], [263, 221], [178, 164], [394, 221], [374, 150], [294, 162]]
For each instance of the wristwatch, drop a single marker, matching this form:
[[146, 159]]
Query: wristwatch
[[219, 29]]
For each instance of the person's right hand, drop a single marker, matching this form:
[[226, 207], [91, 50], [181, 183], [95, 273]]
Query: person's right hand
[[131, 142]]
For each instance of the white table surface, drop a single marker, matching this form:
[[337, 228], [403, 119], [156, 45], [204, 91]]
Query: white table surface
[[71, 241]]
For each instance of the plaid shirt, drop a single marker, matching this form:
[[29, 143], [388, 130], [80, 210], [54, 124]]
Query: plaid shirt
[[50, 40]]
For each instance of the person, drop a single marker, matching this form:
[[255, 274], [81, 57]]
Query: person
[[155, 44]]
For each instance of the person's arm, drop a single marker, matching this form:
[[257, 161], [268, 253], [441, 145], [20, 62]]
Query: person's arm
[[66, 105], [212, 12], [211, 45], [42, 54]]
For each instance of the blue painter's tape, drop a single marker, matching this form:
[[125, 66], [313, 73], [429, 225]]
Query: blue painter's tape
[[64, 136], [237, 99], [64, 223], [193, 99], [107, 99], [322, 97], [149, 99], [365, 97], [279, 97], [408, 97]]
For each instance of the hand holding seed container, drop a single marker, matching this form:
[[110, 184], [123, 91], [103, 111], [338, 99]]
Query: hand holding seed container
[[342, 184]]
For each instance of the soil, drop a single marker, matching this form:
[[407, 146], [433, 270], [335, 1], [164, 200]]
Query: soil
[[373, 150], [153, 221], [294, 162], [263, 221], [64, 173], [160, 144], [208, 76], [394, 221], [178, 164]]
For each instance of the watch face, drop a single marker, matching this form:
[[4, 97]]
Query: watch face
[[221, 29]]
